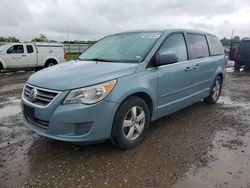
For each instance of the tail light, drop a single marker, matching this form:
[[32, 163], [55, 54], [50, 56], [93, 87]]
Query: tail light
[[65, 56], [227, 61], [236, 52]]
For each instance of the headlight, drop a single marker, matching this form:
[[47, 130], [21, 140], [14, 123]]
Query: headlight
[[90, 95]]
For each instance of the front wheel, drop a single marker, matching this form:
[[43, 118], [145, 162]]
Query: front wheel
[[131, 122], [38, 68], [215, 91]]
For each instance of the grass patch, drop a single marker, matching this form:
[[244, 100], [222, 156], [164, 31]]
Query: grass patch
[[71, 56]]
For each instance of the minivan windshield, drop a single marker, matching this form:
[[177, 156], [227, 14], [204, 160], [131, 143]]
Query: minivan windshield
[[124, 47]]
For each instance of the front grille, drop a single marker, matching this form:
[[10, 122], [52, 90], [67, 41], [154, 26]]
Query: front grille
[[39, 96]]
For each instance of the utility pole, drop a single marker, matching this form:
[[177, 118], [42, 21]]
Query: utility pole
[[232, 34], [67, 32]]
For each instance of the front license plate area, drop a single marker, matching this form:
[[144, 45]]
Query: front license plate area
[[29, 111]]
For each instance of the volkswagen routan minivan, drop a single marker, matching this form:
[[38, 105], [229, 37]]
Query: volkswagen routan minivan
[[123, 82]]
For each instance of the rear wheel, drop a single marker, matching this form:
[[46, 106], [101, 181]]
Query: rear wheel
[[131, 123], [50, 63], [214, 92]]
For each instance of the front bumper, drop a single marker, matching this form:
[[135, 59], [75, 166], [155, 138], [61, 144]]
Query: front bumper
[[73, 122]]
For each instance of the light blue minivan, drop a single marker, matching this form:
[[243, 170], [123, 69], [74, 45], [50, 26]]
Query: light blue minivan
[[122, 83]]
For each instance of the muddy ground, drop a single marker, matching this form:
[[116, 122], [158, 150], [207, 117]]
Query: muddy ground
[[200, 146]]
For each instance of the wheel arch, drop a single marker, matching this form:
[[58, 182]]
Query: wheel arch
[[2, 64], [143, 95], [221, 76], [220, 71]]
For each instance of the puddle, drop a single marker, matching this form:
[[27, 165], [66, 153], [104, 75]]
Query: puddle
[[10, 110], [230, 69], [229, 159], [11, 87], [227, 101], [230, 167]]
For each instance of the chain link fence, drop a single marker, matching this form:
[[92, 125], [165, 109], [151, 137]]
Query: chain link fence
[[75, 48]]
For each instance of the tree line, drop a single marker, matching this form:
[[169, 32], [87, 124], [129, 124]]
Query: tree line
[[9, 39], [226, 42], [43, 38]]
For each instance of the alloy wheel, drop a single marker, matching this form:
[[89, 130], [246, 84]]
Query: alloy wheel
[[133, 123], [216, 90]]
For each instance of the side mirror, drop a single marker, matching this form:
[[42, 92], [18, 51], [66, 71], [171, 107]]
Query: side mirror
[[167, 57]]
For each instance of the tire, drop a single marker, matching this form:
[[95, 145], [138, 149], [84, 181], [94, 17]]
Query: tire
[[247, 69], [50, 63], [38, 69], [1, 67], [215, 91], [130, 123]]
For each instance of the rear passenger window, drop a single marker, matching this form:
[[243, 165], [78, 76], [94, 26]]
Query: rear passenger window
[[30, 49], [215, 46], [198, 46], [175, 43]]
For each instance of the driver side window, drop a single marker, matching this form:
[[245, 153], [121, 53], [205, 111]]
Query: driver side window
[[175, 43], [16, 49]]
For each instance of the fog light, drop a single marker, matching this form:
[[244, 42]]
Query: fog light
[[83, 128]]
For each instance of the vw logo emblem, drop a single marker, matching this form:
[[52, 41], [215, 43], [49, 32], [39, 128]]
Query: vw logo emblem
[[33, 94]]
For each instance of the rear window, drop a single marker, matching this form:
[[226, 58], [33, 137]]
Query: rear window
[[245, 44], [29, 49], [215, 46], [198, 46]]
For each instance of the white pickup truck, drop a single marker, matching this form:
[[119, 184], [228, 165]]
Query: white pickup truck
[[30, 55]]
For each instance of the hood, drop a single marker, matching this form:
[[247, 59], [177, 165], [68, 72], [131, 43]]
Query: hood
[[76, 74]]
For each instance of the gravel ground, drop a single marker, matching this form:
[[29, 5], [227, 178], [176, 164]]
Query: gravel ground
[[200, 146]]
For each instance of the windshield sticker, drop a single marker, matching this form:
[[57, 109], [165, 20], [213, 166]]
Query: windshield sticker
[[138, 57]]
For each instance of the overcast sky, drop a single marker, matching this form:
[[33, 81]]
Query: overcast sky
[[92, 19]]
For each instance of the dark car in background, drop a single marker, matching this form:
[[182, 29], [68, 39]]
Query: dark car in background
[[233, 46], [242, 55]]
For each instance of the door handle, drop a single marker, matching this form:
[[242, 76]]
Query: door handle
[[196, 66], [24, 55], [188, 69]]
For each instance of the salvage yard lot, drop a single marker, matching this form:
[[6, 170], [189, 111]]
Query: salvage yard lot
[[200, 146]]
